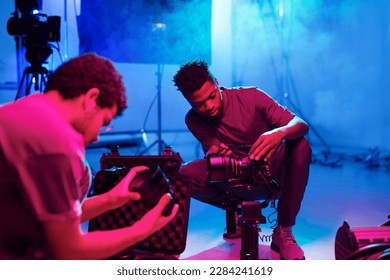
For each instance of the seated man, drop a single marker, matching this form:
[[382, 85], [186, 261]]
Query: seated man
[[44, 177], [222, 118]]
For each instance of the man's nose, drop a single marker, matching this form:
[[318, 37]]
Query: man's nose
[[208, 105]]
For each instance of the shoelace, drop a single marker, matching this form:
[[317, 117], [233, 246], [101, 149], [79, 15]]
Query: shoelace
[[287, 236]]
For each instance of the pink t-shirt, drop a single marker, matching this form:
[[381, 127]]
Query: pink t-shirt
[[42, 172]]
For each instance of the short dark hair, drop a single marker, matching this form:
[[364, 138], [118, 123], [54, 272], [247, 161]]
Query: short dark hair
[[191, 76], [77, 75]]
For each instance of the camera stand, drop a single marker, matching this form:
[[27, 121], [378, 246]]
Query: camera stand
[[38, 75], [249, 220], [232, 208], [249, 216]]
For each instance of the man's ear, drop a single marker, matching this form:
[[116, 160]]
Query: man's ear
[[90, 99]]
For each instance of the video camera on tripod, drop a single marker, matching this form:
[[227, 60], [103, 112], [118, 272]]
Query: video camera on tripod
[[35, 30]]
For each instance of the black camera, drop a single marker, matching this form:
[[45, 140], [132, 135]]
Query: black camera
[[237, 170], [152, 184], [242, 173], [36, 31], [38, 28]]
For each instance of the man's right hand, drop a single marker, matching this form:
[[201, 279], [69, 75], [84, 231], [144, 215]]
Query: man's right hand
[[154, 220], [222, 149]]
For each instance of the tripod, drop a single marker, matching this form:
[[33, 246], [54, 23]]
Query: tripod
[[38, 75], [159, 142]]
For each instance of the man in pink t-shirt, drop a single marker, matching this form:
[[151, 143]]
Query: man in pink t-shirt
[[43, 173]]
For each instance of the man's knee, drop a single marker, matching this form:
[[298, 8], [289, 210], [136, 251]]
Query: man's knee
[[193, 168], [304, 147], [300, 150]]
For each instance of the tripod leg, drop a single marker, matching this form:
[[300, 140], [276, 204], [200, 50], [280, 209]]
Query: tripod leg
[[42, 83], [20, 85], [28, 88]]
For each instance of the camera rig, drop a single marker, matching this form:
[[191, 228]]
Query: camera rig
[[241, 174]]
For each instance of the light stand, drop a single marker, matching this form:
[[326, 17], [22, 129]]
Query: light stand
[[159, 142]]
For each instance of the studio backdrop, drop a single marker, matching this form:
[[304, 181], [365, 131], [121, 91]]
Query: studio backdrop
[[146, 31]]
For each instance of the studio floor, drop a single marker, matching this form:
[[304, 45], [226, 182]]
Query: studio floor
[[348, 191]]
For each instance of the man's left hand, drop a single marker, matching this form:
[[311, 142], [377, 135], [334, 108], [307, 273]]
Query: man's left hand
[[266, 145]]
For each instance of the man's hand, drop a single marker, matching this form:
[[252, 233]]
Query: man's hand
[[121, 194], [222, 149], [154, 220], [266, 145]]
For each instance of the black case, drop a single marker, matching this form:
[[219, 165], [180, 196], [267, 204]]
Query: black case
[[170, 240]]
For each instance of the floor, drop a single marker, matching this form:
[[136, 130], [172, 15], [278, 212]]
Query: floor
[[351, 192], [343, 188]]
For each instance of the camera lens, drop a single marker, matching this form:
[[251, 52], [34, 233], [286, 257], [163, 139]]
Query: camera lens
[[152, 184], [222, 167]]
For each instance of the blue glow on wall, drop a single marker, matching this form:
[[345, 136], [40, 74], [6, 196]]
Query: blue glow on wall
[[140, 31]]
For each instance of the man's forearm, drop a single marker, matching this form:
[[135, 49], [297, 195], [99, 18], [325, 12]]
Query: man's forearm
[[294, 129], [94, 206]]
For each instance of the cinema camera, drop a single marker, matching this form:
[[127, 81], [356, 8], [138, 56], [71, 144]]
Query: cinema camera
[[241, 172], [236, 170], [37, 30]]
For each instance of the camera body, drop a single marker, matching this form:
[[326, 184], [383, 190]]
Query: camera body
[[36, 31], [240, 172], [38, 28]]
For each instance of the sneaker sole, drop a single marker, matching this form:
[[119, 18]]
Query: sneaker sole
[[276, 249]]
